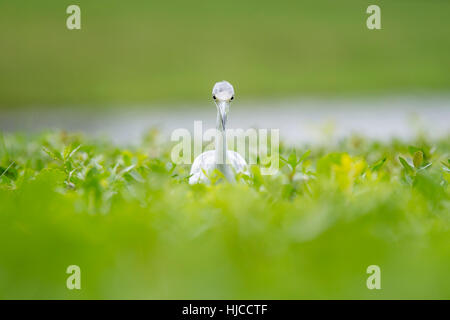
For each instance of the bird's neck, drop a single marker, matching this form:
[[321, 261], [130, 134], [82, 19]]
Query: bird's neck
[[221, 143]]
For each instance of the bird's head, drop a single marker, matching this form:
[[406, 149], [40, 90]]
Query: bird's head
[[223, 94]]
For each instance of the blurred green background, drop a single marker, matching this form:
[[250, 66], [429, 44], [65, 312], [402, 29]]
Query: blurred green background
[[133, 52]]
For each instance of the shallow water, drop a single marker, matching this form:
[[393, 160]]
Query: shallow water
[[299, 121]]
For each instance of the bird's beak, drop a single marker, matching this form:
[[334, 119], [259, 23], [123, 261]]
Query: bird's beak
[[223, 107]]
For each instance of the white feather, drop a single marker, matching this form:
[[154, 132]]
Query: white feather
[[205, 163]]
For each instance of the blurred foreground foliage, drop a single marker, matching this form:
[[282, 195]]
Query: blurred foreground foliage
[[135, 227]]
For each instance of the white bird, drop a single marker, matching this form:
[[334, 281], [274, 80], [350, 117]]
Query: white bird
[[228, 162]]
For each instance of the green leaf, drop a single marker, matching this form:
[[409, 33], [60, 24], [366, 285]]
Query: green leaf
[[8, 171], [406, 165], [136, 176], [74, 151], [418, 158], [413, 149], [447, 165], [284, 161], [127, 169], [304, 156], [377, 165], [426, 166], [292, 160], [55, 155]]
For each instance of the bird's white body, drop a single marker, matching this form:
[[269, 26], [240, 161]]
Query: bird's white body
[[206, 163], [228, 162]]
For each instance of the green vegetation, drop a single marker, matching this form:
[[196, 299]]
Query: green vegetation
[[129, 219], [161, 51]]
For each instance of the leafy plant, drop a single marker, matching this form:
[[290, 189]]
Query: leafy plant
[[137, 229]]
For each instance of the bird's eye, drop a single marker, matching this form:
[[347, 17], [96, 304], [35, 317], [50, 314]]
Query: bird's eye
[[232, 98], [214, 97]]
